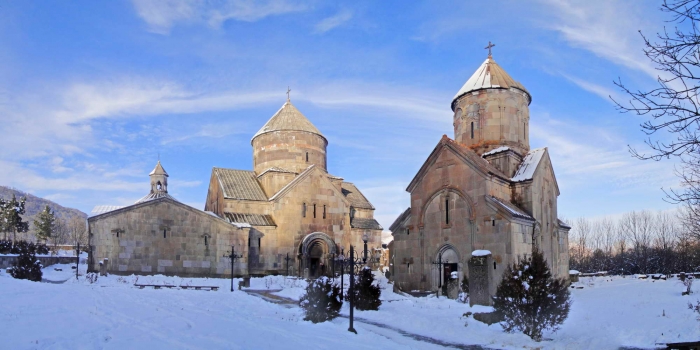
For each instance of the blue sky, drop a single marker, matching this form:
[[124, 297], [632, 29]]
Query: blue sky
[[92, 91]]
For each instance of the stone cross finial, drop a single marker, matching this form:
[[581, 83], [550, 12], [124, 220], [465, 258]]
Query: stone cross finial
[[288, 91], [489, 48]]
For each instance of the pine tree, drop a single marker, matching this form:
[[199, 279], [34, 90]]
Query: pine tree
[[322, 300], [11, 217], [26, 266], [530, 299], [366, 292], [44, 224]]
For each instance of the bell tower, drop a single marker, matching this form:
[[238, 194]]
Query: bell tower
[[159, 179], [491, 111]]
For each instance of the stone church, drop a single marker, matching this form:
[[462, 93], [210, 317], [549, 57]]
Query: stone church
[[295, 208], [484, 191], [287, 215]]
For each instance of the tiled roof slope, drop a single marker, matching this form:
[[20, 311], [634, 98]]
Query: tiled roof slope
[[154, 195], [355, 197], [399, 219], [288, 118], [490, 75], [364, 223], [253, 219], [512, 209], [240, 184]]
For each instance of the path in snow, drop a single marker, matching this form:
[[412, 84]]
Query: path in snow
[[268, 296]]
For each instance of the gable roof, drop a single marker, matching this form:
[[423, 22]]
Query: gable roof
[[239, 184], [511, 208], [288, 118], [365, 223], [490, 76], [464, 153], [252, 219], [168, 199], [395, 225], [276, 169], [527, 167], [355, 197]]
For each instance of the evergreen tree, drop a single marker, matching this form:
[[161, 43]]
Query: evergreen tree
[[322, 300], [11, 217], [26, 266], [366, 292], [530, 299], [44, 224]]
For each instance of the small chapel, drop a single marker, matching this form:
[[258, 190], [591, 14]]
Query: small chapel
[[286, 216], [481, 199]]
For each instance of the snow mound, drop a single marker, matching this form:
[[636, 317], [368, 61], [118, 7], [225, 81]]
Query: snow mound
[[481, 252]]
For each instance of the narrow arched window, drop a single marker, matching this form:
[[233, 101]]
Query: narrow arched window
[[314, 211], [164, 231], [303, 210], [324, 211], [472, 129], [447, 211], [307, 157], [408, 232], [259, 242], [206, 242], [494, 265]]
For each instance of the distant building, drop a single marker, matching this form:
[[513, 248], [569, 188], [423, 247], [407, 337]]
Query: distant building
[[287, 214], [159, 234], [483, 190]]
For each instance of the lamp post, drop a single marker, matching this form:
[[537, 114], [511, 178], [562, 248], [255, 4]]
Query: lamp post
[[365, 238], [77, 260], [439, 263], [287, 260], [233, 258], [351, 291]]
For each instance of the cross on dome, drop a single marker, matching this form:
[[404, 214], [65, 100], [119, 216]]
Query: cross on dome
[[489, 46], [288, 91]]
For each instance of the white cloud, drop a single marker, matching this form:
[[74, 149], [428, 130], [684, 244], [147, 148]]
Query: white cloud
[[608, 29], [600, 90], [333, 22], [162, 15]]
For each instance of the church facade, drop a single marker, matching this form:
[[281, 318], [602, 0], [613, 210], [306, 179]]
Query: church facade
[[301, 216], [484, 194]]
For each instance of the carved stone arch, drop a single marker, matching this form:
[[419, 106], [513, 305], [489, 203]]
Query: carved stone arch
[[308, 241], [448, 189], [452, 262], [445, 248]]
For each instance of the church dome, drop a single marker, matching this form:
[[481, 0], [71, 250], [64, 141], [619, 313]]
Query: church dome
[[490, 76], [288, 118]]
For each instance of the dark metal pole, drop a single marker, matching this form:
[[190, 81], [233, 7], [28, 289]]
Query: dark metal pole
[[287, 260], [232, 260], [342, 276], [364, 258], [351, 291], [77, 261]]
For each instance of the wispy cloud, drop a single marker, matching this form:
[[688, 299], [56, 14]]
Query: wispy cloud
[[608, 29], [333, 22], [162, 15], [600, 90]]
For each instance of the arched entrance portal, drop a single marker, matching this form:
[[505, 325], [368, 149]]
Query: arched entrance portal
[[451, 263], [315, 251]]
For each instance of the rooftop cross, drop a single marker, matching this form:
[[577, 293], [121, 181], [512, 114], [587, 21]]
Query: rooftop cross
[[288, 91], [489, 48]]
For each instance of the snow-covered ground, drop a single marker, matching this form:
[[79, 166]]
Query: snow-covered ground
[[608, 313]]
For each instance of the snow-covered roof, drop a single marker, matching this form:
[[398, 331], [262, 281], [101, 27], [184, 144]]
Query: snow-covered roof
[[490, 75], [155, 195], [481, 252], [512, 208], [288, 118], [101, 209], [526, 170], [497, 150]]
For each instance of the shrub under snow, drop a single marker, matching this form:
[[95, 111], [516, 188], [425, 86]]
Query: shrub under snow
[[26, 266], [366, 291], [322, 300], [530, 299]]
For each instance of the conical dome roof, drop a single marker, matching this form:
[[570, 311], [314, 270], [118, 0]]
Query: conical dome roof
[[288, 118], [490, 76], [158, 170]]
